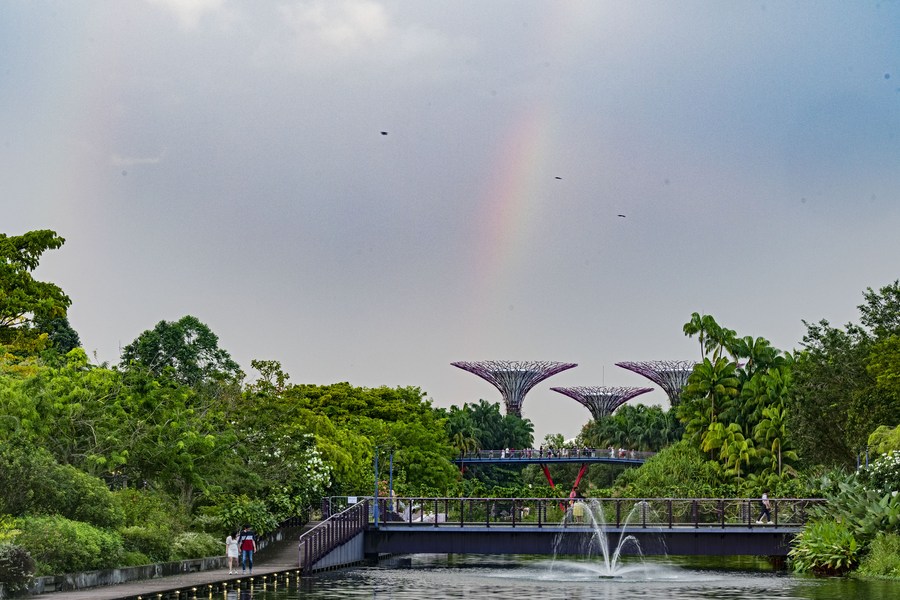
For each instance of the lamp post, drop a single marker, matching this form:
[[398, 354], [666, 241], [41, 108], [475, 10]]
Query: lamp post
[[375, 507]]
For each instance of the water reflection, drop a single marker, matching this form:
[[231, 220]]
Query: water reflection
[[441, 577]]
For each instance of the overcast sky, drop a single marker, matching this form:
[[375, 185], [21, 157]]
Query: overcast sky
[[226, 160]]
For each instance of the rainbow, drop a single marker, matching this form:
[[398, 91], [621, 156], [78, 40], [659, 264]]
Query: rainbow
[[514, 201]]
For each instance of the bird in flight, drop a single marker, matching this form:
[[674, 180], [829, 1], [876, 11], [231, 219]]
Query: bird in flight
[[384, 133], [623, 216], [558, 177]]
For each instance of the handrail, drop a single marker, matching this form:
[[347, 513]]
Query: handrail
[[334, 531], [616, 512], [533, 454]]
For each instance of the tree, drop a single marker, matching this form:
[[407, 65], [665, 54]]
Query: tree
[[846, 381], [185, 350], [60, 333], [22, 298]]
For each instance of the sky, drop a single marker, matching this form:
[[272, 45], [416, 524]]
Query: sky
[[367, 191]]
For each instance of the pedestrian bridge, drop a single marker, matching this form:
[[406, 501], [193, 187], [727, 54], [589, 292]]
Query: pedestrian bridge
[[530, 456], [648, 526]]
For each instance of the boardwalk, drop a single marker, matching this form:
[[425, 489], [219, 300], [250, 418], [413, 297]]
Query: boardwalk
[[272, 566]]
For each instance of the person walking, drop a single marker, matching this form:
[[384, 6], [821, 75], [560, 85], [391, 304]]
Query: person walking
[[247, 546], [231, 552], [765, 505]]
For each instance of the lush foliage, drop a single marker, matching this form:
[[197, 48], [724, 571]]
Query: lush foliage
[[636, 427], [856, 514], [186, 350], [481, 426], [883, 558], [16, 567], [679, 471], [883, 475], [59, 545], [159, 457], [22, 298], [884, 439], [735, 407], [825, 548], [847, 381]]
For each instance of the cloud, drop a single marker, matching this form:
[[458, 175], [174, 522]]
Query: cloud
[[345, 26], [189, 12], [318, 34]]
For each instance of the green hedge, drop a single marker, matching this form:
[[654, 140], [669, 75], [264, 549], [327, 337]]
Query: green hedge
[[59, 545]]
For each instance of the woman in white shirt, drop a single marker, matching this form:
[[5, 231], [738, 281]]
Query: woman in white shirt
[[231, 553]]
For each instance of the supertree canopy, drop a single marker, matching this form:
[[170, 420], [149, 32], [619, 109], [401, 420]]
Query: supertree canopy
[[514, 379], [670, 375], [602, 401]]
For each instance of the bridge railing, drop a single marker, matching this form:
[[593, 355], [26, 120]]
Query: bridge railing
[[533, 454], [334, 531], [613, 512]]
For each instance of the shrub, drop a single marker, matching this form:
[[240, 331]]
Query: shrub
[[226, 512], [16, 567], [825, 548], [678, 471], [135, 559], [153, 542], [32, 482], [59, 545], [80, 497], [196, 545], [150, 506], [883, 559], [883, 475]]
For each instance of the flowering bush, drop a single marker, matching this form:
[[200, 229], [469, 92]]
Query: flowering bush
[[883, 475]]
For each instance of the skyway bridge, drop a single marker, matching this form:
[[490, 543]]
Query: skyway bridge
[[570, 455], [554, 526], [546, 457]]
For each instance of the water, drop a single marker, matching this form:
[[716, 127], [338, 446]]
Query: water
[[442, 577]]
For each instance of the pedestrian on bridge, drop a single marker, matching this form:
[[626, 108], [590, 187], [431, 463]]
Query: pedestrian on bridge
[[765, 506]]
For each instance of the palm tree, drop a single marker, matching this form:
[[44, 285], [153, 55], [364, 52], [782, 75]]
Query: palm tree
[[713, 381]]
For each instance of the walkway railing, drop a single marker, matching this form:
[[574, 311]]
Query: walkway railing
[[614, 512], [558, 453], [331, 533]]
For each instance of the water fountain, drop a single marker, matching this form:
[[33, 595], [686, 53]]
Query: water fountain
[[590, 541]]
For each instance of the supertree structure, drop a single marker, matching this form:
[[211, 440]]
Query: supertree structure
[[601, 401], [514, 379], [670, 375]]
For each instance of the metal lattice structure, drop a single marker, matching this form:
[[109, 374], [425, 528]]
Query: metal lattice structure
[[670, 375], [514, 379], [601, 401]]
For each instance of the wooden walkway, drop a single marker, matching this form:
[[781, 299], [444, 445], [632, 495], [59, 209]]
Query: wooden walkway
[[271, 566]]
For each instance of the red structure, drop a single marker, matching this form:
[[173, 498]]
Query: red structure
[[514, 379]]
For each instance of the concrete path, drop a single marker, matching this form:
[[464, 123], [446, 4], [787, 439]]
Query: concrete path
[[276, 564]]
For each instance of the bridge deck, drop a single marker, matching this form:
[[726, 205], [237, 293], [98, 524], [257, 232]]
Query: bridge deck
[[763, 540]]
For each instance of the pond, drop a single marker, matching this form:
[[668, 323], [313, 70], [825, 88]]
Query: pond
[[442, 577]]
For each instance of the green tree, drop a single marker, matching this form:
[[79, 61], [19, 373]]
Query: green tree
[[845, 381], [22, 298], [186, 350]]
